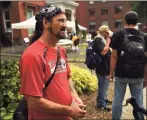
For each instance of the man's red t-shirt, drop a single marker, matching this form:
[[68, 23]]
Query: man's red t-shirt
[[33, 77]]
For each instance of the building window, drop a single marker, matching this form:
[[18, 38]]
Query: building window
[[6, 19], [118, 9], [104, 22], [118, 23], [29, 14], [104, 11], [68, 14], [92, 25], [91, 12]]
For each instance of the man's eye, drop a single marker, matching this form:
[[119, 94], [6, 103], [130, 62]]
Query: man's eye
[[62, 20]]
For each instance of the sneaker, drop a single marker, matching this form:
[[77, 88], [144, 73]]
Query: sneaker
[[108, 101], [106, 108]]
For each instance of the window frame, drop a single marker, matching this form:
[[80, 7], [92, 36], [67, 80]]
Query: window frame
[[90, 10], [7, 30], [32, 11], [105, 12], [105, 24], [94, 25], [118, 20], [115, 9], [68, 14]]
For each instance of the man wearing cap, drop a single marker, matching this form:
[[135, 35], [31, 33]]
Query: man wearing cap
[[59, 101], [127, 72], [101, 47]]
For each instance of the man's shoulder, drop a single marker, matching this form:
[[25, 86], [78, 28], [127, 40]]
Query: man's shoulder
[[32, 51], [118, 33]]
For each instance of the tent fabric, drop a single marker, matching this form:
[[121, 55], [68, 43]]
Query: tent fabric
[[30, 24], [27, 24], [72, 25]]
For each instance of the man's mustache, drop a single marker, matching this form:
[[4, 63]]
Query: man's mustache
[[63, 29]]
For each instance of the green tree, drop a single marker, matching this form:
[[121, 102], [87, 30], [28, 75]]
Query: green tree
[[141, 8]]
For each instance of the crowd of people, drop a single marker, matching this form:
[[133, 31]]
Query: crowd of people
[[60, 99]]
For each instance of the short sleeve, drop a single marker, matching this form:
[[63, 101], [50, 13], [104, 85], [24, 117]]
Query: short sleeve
[[115, 42], [32, 76], [98, 44]]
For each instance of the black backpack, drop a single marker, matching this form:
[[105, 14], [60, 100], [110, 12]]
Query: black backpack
[[133, 48], [92, 59]]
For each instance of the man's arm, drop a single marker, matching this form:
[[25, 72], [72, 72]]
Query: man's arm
[[49, 107], [46, 106], [113, 61], [106, 48], [74, 93]]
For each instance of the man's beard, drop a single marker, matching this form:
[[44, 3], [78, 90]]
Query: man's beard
[[59, 35]]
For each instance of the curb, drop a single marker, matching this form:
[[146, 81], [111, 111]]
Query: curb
[[18, 56]]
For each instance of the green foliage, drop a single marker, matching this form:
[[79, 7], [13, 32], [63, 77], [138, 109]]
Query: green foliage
[[9, 87], [83, 45], [10, 84], [141, 8], [83, 79]]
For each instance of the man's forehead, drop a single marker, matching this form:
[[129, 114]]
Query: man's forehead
[[60, 16]]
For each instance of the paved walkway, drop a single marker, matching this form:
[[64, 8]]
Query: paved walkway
[[127, 110]]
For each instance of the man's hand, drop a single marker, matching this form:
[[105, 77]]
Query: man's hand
[[78, 100], [77, 110], [110, 77]]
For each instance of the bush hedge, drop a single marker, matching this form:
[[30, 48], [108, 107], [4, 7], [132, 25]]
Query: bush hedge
[[9, 87], [10, 83], [83, 79]]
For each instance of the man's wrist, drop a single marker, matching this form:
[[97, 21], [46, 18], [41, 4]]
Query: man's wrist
[[111, 73], [74, 94], [68, 110]]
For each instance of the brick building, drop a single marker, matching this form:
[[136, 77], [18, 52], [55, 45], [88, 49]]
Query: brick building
[[93, 14], [14, 12]]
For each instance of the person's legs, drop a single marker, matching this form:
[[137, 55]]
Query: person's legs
[[103, 85], [119, 92], [137, 92]]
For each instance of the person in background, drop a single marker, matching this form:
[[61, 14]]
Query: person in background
[[60, 100], [129, 70], [101, 47], [88, 37], [76, 41]]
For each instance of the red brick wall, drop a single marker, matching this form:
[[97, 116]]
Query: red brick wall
[[22, 13], [83, 18], [14, 17]]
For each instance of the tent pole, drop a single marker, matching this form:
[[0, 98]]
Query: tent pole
[[12, 42]]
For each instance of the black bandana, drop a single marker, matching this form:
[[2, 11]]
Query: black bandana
[[48, 12]]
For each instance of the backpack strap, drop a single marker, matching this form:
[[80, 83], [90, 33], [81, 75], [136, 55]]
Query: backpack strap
[[52, 75]]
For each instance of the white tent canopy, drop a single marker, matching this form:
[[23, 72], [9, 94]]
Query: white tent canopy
[[72, 25], [30, 24], [27, 24]]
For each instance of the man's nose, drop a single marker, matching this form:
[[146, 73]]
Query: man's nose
[[65, 24]]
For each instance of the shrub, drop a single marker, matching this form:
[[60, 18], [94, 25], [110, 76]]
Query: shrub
[[84, 81], [10, 82]]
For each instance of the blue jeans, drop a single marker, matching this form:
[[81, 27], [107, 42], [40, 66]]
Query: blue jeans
[[136, 90], [103, 84]]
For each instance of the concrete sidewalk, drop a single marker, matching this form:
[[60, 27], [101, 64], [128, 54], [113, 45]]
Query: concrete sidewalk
[[127, 110]]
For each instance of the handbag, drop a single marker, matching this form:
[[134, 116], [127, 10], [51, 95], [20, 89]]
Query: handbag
[[21, 112]]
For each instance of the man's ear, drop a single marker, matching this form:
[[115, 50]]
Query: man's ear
[[46, 23]]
